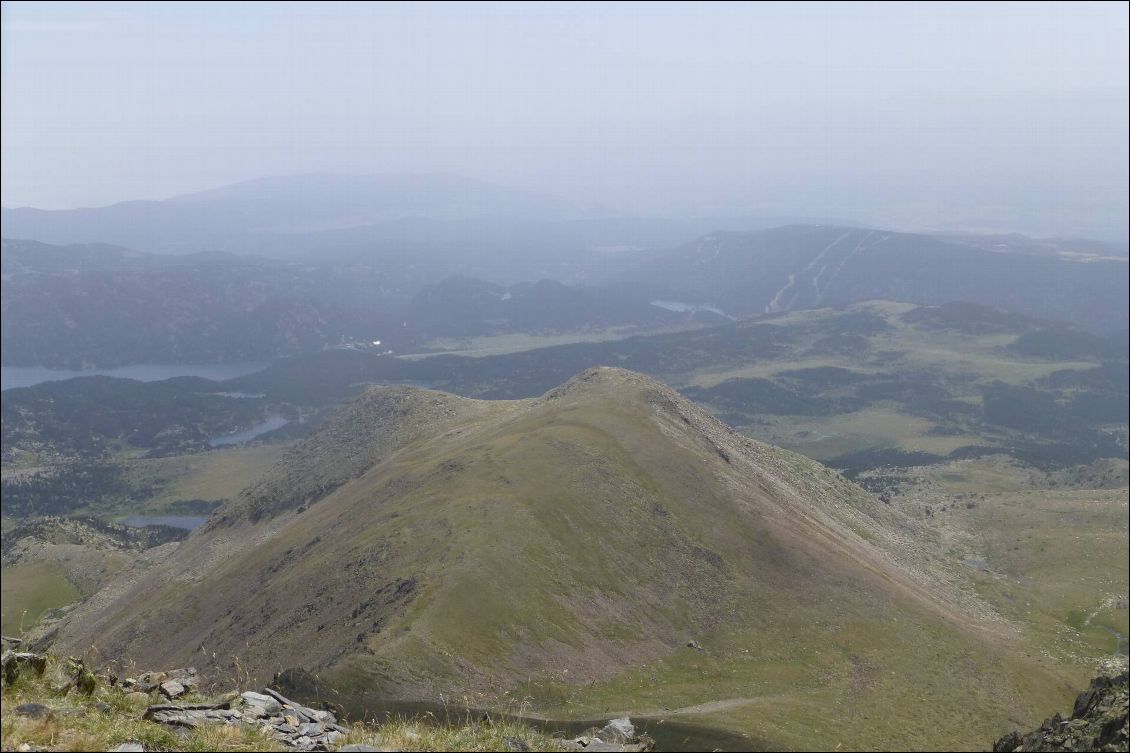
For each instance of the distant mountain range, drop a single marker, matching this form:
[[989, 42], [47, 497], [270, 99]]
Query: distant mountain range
[[279, 266], [429, 225], [96, 305], [319, 215], [90, 306], [807, 266], [215, 220], [99, 306]]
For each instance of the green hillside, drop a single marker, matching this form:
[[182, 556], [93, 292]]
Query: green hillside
[[566, 550]]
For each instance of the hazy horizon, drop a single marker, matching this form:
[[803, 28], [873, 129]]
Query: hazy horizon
[[992, 116]]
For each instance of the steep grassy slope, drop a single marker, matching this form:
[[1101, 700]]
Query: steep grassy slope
[[567, 548]]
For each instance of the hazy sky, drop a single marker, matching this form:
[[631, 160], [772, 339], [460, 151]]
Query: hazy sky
[[928, 114]]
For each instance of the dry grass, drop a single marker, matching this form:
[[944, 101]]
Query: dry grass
[[427, 733]]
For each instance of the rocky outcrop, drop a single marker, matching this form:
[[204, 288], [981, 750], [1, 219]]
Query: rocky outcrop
[[79, 678], [1098, 722], [172, 684], [618, 736], [25, 664], [18, 663], [290, 723]]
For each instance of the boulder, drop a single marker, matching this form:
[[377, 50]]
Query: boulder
[[182, 673], [32, 711], [149, 681], [618, 731], [188, 715], [172, 689], [20, 663], [177, 717], [323, 716], [259, 704], [81, 678], [311, 729]]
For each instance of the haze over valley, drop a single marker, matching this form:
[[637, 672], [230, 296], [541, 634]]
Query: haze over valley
[[543, 377]]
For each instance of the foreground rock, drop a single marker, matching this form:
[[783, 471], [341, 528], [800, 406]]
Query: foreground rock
[[306, 729], [18, 663], [619, 731], [283, 720], [79, 678], [618, 736], [36, 718], [33, 710], [1098, 722]]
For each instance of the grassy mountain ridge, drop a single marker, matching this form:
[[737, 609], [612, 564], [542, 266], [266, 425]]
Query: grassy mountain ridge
[[641, 524], [379, 421], [611, 458]]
